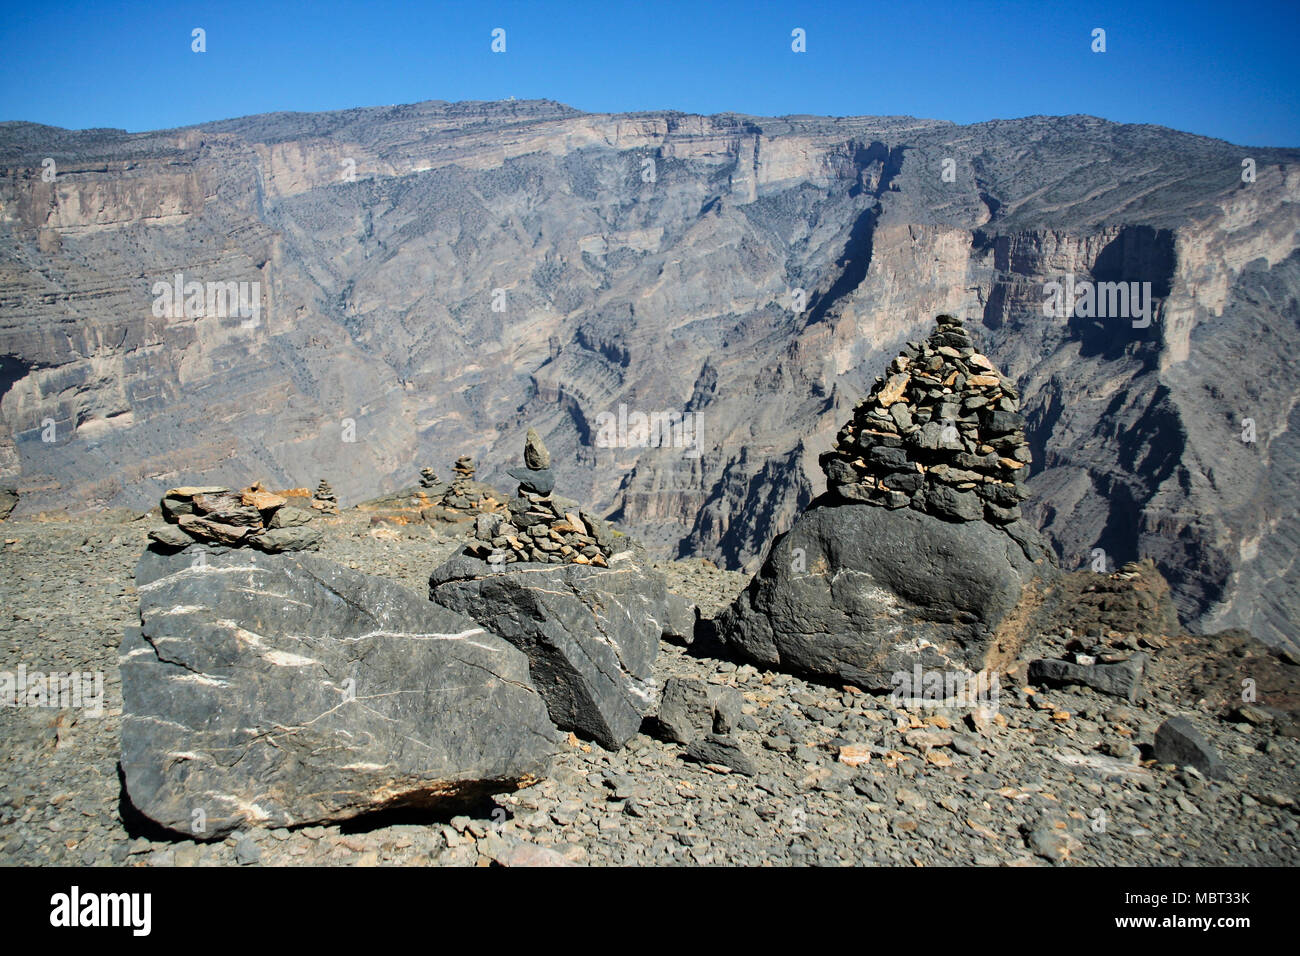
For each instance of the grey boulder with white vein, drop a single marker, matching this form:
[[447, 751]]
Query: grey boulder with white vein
[[861, 594], [276, 690], [591, 634]]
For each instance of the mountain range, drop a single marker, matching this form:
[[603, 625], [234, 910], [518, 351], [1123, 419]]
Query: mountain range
[[427, 281]]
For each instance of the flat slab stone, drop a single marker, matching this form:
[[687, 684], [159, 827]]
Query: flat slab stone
[[278, 690]]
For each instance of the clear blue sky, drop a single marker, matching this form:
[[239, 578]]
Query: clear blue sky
[[1221, 69]]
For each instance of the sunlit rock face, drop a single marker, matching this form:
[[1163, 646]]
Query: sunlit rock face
[[431, 279]]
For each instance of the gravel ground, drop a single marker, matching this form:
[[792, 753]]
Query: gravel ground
[[1012, 791]]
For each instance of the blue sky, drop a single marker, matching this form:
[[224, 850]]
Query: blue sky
[[1219, 69]]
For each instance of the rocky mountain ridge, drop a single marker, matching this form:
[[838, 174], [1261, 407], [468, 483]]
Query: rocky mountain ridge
[[432, 278]]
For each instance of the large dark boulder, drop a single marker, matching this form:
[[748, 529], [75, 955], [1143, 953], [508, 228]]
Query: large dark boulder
[[861, 593], [591, 634], [279, 690]]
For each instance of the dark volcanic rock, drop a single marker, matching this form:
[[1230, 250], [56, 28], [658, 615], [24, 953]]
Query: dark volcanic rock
[[538, 482], [859, 593], [282, 690], [692, 708], [591, 634], [1179, 742], [1122, 679], [723, 751]]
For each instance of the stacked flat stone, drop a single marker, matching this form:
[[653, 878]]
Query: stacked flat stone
[[249, 518], [539, 526], [941, 432], [466, 494], [429, 478], [324, 499]]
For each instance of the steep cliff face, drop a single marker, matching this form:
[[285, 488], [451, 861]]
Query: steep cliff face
[[685, 307]]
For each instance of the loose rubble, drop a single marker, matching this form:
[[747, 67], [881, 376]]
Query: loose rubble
[[1039, 763]]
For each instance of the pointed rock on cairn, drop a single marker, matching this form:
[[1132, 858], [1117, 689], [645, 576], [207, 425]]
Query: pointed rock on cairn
[[571, 593], [916, 556], [249, 518]]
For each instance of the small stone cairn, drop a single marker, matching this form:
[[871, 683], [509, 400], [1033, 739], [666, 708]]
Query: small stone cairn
[[465, 493], [429, 478], [540, 526], [941, 433], [324, 500], [249, 518]]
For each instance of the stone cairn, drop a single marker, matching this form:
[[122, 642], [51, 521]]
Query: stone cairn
[[249, 518], [324, 500], [466, 494], [429, 478], [540, 526], [941, 433]]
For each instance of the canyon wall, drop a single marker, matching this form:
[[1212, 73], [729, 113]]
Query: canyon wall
[[431, 279]]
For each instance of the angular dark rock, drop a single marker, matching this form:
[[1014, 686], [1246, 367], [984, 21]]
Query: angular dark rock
[[282, 690], [723, 751], [1122, 679], [1179, 742], [692, 708], [685, 710], [591, 634], [538, 482], [290, 517], [953, 505], [680, 618], [295, 538]]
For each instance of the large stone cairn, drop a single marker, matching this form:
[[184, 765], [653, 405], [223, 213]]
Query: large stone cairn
[[249, 518], [324, 500], [464, 468], [941, 432], [540, 526]]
